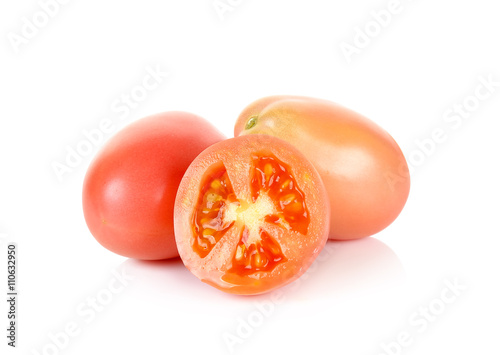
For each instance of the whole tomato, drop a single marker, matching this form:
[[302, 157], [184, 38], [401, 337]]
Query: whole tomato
[[362, 167], [129, 189]]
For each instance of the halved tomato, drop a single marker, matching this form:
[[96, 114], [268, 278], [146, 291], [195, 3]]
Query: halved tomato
[[251, 214]]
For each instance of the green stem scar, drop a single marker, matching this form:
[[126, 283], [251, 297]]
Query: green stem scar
[[252, 121]]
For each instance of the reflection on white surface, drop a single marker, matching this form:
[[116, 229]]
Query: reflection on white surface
[[349, 268], [343, 269]]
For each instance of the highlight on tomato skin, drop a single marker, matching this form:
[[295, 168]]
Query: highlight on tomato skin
[[362, 167], [251, 214]]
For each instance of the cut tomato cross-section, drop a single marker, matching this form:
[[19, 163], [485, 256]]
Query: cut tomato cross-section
[[251, 214]]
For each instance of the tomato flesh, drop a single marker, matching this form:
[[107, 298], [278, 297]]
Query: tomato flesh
[[273, 177], [274, 191], [262, 255], [208, 220]]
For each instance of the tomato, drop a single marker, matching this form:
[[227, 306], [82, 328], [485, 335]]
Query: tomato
[[362, 167], [129, 189], [251, 214]]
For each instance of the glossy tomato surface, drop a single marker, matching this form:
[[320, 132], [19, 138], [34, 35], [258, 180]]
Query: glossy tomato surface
[[251, 214], [129, 189], [362, 167]]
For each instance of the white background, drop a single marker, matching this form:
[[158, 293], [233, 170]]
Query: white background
[[429, 57]]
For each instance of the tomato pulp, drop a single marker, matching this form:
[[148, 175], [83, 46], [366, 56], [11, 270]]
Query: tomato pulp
[[251, 214]]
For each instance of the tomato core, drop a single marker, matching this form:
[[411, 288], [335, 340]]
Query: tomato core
[[275, 199]]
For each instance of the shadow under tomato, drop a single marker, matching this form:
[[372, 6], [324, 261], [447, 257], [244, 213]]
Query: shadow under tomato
[[343, 269], [349, 268], [170, 277]]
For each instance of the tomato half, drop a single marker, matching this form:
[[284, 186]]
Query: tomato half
[[362, 167], [251, 214], [130, 186]]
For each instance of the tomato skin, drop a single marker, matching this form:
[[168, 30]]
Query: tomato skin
[[362, 167], [300, 250], [130, 186]]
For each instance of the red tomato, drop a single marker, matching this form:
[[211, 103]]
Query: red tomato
[[362, 167], [129, 189], [251, 214]]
